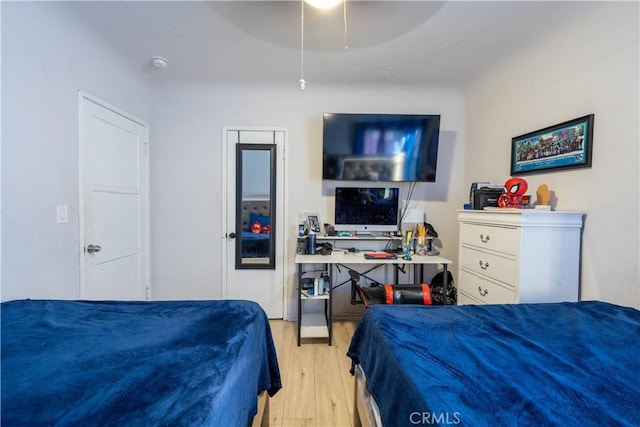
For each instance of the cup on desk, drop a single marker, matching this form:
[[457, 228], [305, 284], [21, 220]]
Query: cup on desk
[[422, 246]]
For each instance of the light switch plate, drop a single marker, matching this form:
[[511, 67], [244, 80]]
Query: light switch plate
[[62, 214]]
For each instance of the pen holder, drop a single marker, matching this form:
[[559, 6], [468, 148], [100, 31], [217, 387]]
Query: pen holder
[[407, 248], [422, 246]]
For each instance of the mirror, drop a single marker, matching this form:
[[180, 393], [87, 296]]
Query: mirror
[[255, 206]]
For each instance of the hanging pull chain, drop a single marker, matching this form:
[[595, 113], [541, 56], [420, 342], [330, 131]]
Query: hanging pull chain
[[301, 82], [344, 17]]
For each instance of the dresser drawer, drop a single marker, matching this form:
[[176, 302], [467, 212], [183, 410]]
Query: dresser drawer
[[500, 239], [484, 290], [464, 299], [496, 267]]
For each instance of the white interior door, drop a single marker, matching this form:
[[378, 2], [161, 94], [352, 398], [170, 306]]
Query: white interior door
[[113, 203], [247, 275]]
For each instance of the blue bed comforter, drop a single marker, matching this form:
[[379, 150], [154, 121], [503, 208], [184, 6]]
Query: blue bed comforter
[[568, 364], [191, 363]]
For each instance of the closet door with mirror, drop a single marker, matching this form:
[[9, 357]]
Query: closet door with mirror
[[253, 212]]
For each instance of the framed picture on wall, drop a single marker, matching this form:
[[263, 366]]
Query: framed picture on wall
[[562, 146]]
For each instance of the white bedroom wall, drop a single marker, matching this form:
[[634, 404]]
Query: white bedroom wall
[[584, 67], [186, 162], [48, 54]]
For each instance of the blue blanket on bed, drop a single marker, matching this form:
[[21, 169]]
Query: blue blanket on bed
[[190, 363], [529, 364]]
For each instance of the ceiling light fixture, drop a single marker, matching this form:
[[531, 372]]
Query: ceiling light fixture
[[324, 4]]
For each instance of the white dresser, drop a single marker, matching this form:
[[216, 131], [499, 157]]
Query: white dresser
[[518, 256]]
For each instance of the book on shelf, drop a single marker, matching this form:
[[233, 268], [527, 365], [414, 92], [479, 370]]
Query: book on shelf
[[311, 294]]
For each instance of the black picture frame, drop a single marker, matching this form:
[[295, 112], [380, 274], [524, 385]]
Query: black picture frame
[[566, 145]]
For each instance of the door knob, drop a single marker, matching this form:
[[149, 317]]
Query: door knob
[[232, 235], [93, 249]]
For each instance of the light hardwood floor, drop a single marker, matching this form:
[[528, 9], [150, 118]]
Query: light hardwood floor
[[317, 388]]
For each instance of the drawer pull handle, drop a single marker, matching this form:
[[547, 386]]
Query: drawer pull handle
[[483, 292], [484, 239], [485, 265]]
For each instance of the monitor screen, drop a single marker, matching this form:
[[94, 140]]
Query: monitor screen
[[366, 210], [380, 147]]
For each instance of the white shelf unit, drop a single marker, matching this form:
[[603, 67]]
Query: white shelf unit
[[313, 325]]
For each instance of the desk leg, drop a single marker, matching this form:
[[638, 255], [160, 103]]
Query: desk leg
[[353, 290], [330, 318], [299, 292]]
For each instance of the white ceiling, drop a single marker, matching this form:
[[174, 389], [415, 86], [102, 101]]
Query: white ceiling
[[410, 42]]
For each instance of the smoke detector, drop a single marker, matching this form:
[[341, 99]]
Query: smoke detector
[[159, 62]]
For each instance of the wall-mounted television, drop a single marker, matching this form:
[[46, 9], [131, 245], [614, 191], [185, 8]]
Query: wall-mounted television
[[380, 147], [367, 210]]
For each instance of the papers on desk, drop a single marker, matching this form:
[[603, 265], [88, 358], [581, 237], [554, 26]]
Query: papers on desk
[[379, 255]]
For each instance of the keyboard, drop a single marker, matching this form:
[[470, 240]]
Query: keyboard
[[379, 255]]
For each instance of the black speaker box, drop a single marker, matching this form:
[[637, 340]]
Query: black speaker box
[[486, 197]]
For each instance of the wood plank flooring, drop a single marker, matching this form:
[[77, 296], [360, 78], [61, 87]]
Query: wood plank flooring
[[317, 388]]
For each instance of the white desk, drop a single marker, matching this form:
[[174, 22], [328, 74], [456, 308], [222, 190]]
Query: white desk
[[339, 257], [312, 328]]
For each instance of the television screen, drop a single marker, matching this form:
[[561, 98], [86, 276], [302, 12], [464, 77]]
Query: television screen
[[380, 147], [366, 210]]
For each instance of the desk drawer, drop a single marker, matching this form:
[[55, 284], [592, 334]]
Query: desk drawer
[[500, 239], [494, 266], [485, 290]]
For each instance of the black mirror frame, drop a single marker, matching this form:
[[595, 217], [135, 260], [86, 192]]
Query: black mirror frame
[[239, 260]]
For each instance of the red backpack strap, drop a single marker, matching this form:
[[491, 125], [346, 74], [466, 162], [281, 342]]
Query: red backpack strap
[[426, 294], [388, 294]]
